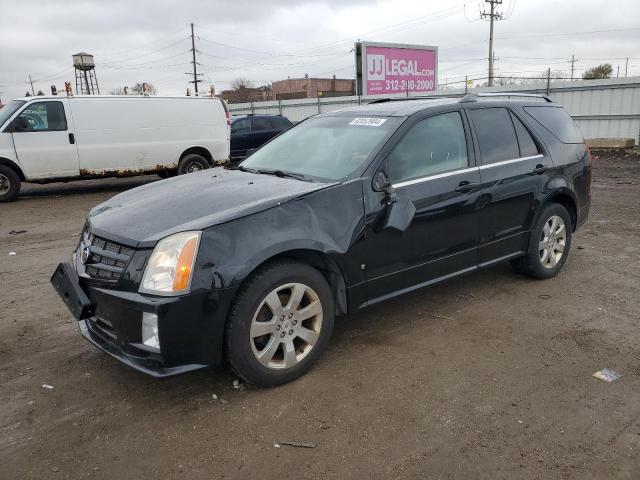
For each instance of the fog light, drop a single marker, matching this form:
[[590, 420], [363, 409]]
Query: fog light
[[150, 330]]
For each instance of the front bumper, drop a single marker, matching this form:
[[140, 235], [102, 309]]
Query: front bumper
[[143, 363], [190, 327]]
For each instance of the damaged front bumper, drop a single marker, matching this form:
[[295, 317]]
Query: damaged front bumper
[[189, 326]]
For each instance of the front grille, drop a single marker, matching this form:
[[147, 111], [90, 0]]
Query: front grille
[[104, 259], [103, 326]]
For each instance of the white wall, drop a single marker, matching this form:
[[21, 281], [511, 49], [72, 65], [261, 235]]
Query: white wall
[[602, 108]]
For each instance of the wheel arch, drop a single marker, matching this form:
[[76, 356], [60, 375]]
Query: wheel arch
[[12, 165], [198, 150], [319, 260], [567, 199]]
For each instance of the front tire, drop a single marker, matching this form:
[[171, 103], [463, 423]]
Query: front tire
[[279, 324], [550, 244], [192, 163], [9, 184]]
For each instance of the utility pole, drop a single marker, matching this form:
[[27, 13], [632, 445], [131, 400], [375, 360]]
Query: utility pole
[[626, 66], [492, 15], [31, 82], [573, 64], [618, 72], [195, 80]]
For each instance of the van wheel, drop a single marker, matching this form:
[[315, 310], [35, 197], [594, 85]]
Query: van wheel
[[279, 324], [550, 244], [9, 184], [192, 163]]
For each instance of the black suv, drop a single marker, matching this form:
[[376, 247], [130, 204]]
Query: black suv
[[252, 131], [342, 211]]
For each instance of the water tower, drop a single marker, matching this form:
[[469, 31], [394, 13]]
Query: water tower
[[86, 80]]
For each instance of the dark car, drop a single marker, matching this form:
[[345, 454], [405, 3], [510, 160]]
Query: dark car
[[252, 131], [342, 211]]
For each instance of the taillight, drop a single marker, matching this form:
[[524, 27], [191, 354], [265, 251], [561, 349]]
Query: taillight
[[228, 118], [589, 153]]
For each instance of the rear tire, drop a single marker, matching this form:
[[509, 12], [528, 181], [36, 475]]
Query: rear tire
[[9, 184], [279, 324], [549, 245], [192, 163]]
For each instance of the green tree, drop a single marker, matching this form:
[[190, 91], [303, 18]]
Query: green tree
[[601, 71]]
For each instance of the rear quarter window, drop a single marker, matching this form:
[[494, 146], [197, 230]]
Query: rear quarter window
[[558, 122]]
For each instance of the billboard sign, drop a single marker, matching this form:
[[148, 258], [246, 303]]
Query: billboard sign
[[388, 68]]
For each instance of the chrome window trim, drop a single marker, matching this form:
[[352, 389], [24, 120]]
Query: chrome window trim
[[507, 162], [464, 170], [434, 177]]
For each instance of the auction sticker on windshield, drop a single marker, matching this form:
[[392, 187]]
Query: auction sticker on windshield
[[368, 121]]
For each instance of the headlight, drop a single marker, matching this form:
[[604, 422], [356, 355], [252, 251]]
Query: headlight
[[170, 266]]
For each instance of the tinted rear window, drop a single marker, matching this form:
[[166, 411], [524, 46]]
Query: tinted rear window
[[496, 136], [528, 146], [280, 123], [260, 124], [558, 122]]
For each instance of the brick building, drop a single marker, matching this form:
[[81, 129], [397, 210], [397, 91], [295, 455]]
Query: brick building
[[312, 88]]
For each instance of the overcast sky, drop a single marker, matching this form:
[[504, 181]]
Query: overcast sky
[[267, 40]]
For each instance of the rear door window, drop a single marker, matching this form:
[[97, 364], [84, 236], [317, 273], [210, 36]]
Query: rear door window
[[528, 146], [258, 124], [280, 123], [496, 135], [558, 122]]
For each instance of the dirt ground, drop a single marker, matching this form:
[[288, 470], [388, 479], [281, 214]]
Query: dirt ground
[[485, 377]]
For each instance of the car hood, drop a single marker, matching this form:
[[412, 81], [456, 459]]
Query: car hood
[[142, 216]]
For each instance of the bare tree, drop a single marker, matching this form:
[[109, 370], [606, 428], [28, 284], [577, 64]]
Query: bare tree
[[240, 83], [242, 89], [601, 71], [138, 89], [117, 91]]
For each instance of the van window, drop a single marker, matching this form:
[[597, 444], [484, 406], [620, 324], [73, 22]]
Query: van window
[[258, 124], [45, 117], [528, 146], [434, 145], [9, 109], [496, 135], [558, 122]]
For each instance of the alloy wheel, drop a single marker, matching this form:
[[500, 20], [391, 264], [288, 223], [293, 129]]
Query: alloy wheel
[[286, 326], [5, 184], [194, 167], [552, 241]]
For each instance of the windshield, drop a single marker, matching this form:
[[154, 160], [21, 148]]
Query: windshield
[[9, 109], [326, 148]]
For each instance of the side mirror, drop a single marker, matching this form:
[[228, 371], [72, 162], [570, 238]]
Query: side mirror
[[400, 210], [400, 213], [19, 124]]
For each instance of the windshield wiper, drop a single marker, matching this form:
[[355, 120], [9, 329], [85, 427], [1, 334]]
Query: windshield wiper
[[283, 174], [245, 169]]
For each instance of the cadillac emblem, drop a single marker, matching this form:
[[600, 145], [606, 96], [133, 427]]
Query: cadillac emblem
[[85, 254]]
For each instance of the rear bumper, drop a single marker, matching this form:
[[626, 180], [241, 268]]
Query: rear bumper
[[190, 327], [583, 213]]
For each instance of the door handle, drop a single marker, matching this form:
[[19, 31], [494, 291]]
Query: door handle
[[540, 169], [72, 138], [465, 186]]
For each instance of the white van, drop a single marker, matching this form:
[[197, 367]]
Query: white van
[[48, 139]]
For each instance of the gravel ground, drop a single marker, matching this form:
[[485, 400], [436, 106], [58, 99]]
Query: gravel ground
[[487, 376]]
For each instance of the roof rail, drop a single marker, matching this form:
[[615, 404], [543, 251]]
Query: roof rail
[[402, 99], [473, 97]]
